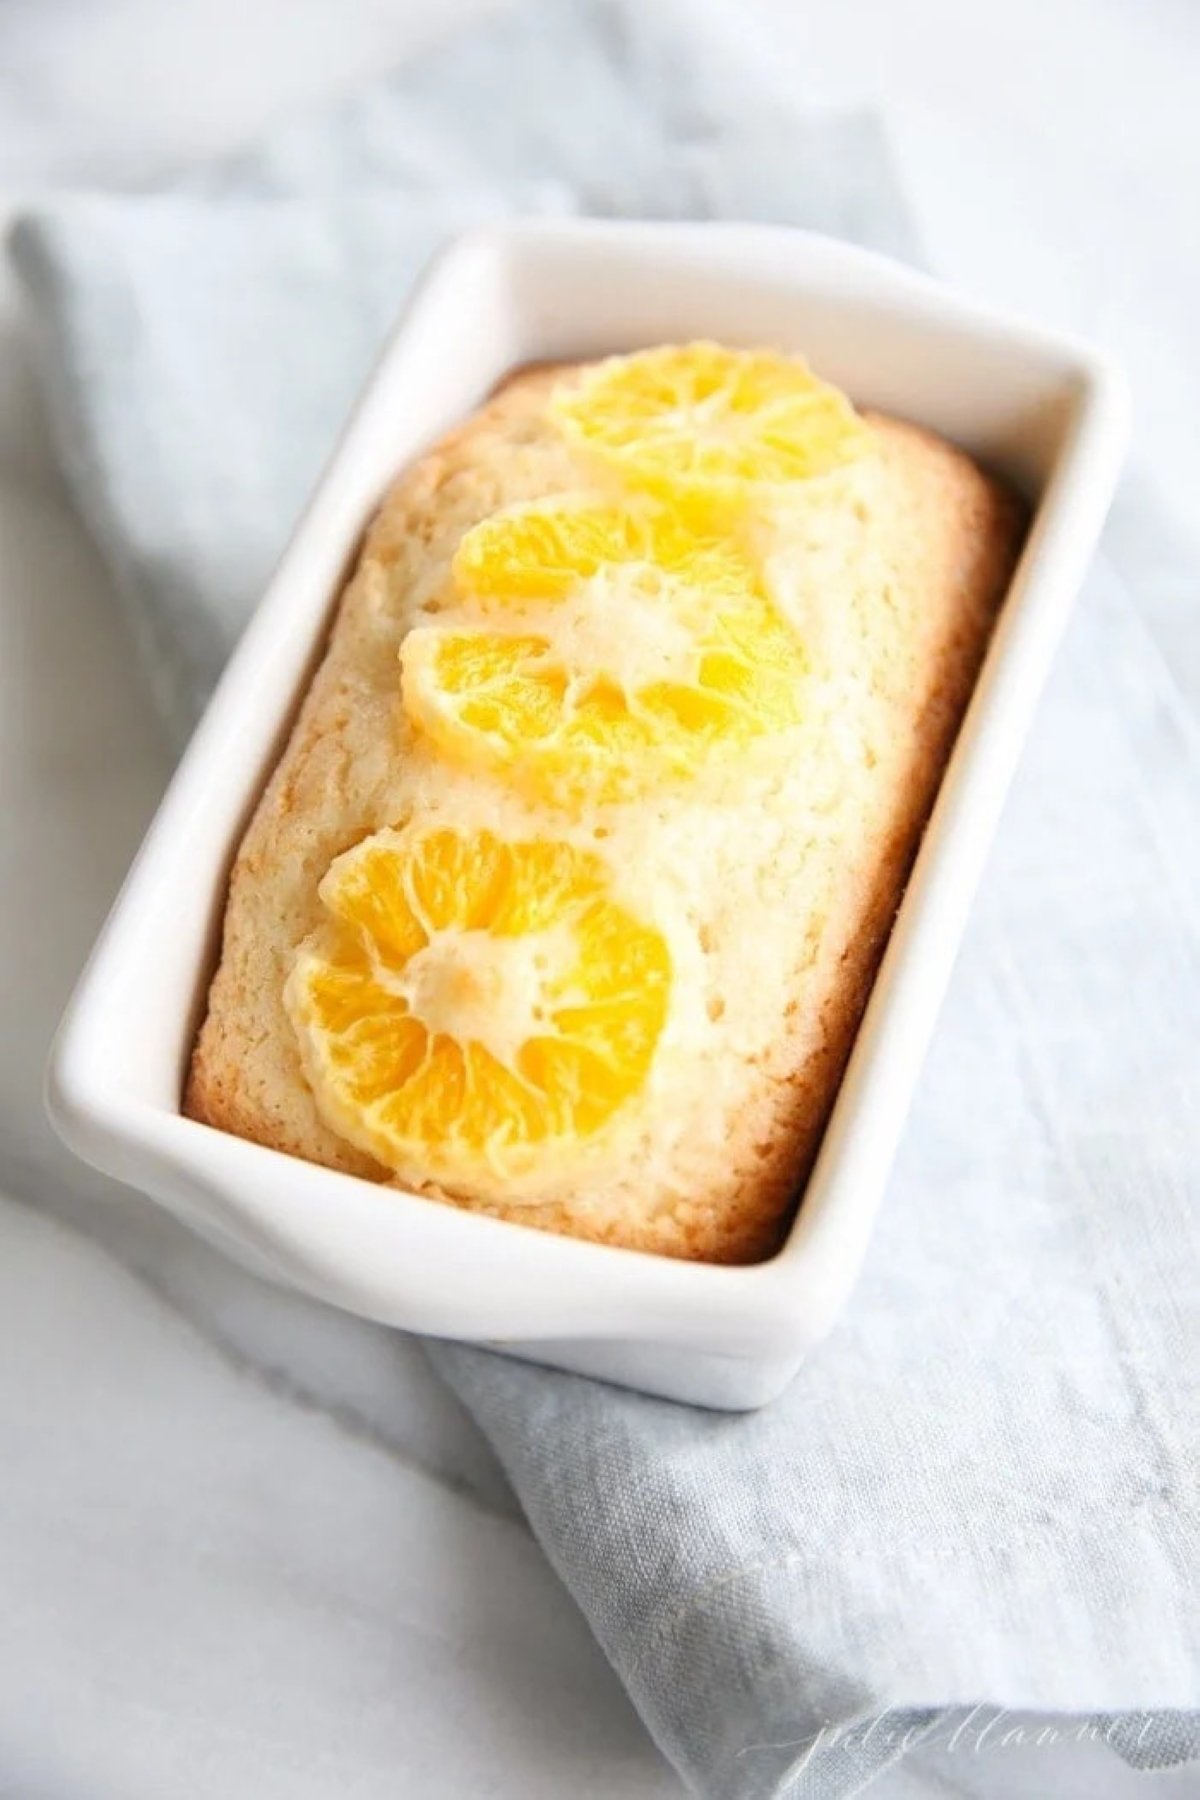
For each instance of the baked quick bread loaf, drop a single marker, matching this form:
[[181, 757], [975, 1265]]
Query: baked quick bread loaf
[[565, 898]]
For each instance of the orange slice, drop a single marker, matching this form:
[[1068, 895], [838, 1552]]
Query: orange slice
[[596, 646], [474, 1004], [699, 422]]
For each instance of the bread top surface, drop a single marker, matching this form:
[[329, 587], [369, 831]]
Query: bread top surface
[[772, 880]]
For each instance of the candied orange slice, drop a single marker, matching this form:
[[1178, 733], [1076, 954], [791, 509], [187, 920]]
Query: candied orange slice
[[702, 422], [472, 1004], [595, 646]]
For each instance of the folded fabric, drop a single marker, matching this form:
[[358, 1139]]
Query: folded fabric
[[982, 1490]]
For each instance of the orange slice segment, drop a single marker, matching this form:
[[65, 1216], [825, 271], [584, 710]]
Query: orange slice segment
[[474, 1004], [596, 646], [699, 422]]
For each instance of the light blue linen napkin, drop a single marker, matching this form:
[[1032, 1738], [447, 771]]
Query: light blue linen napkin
[[981, 1494]]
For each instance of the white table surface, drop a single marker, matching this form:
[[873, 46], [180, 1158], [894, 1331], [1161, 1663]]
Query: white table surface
[[250, 1547]]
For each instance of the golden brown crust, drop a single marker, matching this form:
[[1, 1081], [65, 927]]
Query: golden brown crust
[[946, 537]]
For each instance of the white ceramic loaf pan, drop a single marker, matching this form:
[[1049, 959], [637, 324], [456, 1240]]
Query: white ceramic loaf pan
[[1046, 412]]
